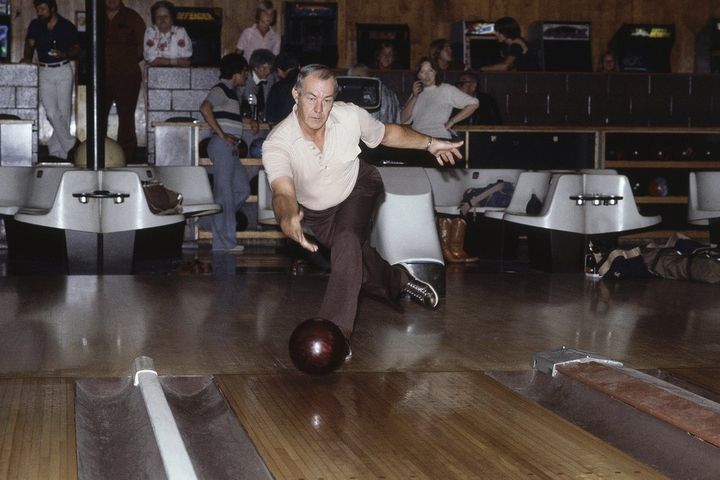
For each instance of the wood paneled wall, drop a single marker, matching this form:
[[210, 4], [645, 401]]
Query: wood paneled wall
[[429, 19]]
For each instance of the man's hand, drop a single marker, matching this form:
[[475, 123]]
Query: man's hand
[[445, 151], [292, 228], [288, 213]]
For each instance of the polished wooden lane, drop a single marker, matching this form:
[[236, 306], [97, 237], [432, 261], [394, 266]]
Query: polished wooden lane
[[454, 425], [414, 396], [37, 429]]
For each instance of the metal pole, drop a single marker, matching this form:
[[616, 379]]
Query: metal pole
[[96, 124]]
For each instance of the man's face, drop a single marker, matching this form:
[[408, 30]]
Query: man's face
[[265, 20], [468, 85], [315, 101], [446, 53], [263, 71], [112, 5], [386, 57], [43, 12]]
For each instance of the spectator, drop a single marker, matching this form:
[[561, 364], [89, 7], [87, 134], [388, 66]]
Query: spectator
[[261, 33], [258, 85], [385, 57], [441, 54], [429, 108], [166, 44], [389, 111], [487, 112], [231, 184], [608, 63], [57, 43], [124, 32], [280, 101], [514, 50]]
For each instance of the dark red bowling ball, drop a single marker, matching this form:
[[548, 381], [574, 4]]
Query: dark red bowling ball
[[317, 346]]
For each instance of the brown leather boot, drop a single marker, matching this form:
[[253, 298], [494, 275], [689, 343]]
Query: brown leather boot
[[443, 224], [456, 236]]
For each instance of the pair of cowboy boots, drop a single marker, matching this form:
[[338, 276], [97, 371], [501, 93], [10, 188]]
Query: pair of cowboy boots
[[452, 239]]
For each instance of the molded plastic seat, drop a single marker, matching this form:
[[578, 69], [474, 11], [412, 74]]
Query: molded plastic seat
[[449, 184], [57, 208], [561, 213], [558, 211], [194, 185], [13, 188], [404, 230], [703, 197], [621, 216], [266, 214], [190, 181], [528, 183]]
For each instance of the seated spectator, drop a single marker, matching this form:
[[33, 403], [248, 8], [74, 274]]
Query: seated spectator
[[164, 43], [429, 108], [608, 63], [514, 50], [261, 33], [258, 85], [280, 101], [385, 57], [441, 54], [389, 111], [487, 112]]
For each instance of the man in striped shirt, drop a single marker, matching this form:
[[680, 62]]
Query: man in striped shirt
[[231, 184]]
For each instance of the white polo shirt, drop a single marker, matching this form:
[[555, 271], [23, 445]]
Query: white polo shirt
[[322, 179]]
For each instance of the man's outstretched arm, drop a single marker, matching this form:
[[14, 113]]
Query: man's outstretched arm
[[400, 136]]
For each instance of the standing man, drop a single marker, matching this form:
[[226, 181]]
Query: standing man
[[124, 32], [318, 181], [231, 184], [57, 43]]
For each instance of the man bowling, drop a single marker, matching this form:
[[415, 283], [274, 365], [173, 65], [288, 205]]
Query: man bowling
[[311, 161]]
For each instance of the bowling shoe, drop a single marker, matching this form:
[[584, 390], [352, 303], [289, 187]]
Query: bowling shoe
[[421, 292]]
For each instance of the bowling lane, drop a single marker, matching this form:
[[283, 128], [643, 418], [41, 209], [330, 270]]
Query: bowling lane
[[37, 429], [413, 425]]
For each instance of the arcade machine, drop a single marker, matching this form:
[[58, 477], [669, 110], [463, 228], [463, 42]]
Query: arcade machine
[[474, 42], [311, 32], [203, 25], [643, 48], [5, 32], [562, 46], [707, 48], [371, 35]]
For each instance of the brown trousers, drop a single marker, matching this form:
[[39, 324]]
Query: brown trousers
[[355, 265], [124, 91]]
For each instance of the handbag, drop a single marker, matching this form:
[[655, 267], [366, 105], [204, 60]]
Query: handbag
[[160, 199]]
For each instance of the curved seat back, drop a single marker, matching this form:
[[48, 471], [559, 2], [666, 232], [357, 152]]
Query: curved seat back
[[558, 211], [449, 184], [62, 210], [194, 186], [44, 184], [13, 188], [133, 213], [528, 184], [404, 229], [620, 217], [266, 214], [703, 197]]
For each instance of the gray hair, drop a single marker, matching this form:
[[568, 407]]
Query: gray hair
[[321, 71]]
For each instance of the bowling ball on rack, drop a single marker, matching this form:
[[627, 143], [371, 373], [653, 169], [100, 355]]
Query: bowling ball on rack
[[658, 187], [317, 346]]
